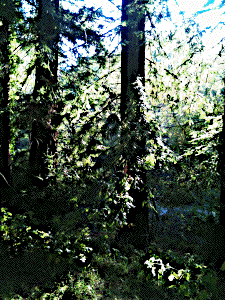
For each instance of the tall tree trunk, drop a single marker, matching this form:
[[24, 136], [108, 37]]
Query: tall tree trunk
[[4, 105], [133, 52], [47, 79], [221, 170], [132, 68], [54, 71], [55, 50]]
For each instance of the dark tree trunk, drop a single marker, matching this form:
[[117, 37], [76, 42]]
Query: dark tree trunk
[[221, 170], [132, 68], [48, 35], [55, 50], [133, 52], [46, 78], [4, 105], [56, 120], [39, 142]]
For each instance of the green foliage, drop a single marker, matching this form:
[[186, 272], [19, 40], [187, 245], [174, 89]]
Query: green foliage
[[103, 166], [182, 276], [86, 285], [88, 275]]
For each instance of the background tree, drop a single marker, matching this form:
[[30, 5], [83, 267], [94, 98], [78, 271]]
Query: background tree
[[46, 68], [221, 169], [9, 14], [44, 48], [4, 119], [132, 69]]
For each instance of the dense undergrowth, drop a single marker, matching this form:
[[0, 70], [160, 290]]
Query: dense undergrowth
[[70, 254], [57, 245]]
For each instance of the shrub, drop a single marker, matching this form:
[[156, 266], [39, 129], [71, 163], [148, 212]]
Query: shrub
[[184, 276]]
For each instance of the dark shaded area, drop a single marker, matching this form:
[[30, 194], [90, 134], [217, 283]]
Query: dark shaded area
[[42, 143], [22, 273]]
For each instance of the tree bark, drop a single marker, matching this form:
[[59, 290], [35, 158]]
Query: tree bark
[[221, 166], [221, 171], [133, 52], [132, 68], [4, 105], [55, 49], [54, 71], [47, 79]]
